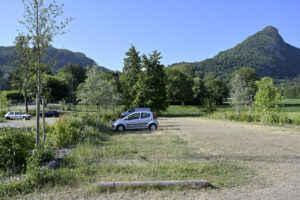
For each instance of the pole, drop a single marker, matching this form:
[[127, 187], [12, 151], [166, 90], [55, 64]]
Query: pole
[[43, 115]]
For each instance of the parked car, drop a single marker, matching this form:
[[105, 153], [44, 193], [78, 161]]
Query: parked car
[[17, 115], [137, 120], [51, 113], [132, 110]]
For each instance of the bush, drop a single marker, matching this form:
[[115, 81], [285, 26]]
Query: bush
[[67, 131], [297, 121], [15, 146], [209, 105], [110, 116]]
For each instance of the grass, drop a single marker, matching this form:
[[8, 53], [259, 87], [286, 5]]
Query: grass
[[139, 156]]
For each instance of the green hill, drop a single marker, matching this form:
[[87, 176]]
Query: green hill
[[264, 51], [61, 57]]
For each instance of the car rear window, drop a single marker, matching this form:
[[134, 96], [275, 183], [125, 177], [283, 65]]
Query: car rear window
[[145, 115]]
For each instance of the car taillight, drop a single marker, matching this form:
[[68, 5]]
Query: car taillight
[[154, 117]]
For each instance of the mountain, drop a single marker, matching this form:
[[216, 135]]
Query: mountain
[[264, 51], [60, 56]]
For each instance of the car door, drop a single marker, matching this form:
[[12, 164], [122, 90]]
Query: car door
[[133, 121], [145, 119]]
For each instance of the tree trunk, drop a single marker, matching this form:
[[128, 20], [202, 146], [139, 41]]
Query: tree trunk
[[98, 122], [26, 103], [43, 115], [37, 138]]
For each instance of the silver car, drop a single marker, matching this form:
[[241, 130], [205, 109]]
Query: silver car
[[137, 120], [132, 110]]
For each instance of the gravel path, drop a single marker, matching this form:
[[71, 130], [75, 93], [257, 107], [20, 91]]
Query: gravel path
[[273, 152]]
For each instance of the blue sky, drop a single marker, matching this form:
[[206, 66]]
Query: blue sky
[[182, 30]]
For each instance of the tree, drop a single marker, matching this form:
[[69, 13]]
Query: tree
[[151, 84], [266, 98], [73, 75], [178, 87], [216, 88], [96, 91], [24, 62], [131, 71], [43, 24], [55, 88], [249, 77], [199, 90], [239, 93]]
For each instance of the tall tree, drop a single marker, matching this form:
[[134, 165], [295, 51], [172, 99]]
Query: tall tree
[[43, 24], [216, 88], [96, 91], [151, 85], [239, 93], [249, 77], [199, 90], [178, 86], [24, 62], [73, 75], [131, 71]]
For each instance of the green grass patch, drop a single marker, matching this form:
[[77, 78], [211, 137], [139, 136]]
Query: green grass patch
[[134, 156]]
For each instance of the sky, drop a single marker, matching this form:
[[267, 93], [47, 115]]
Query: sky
[[182, 30]]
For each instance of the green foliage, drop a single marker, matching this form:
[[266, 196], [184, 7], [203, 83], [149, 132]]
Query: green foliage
[[209, 105], [199, 91], [239, 93], [216, 88], [151, 84], [131, 70], [96, 91], [67, 131], [178, 87], [73, 75], [15, 146], [55, 88], [3, 100], [266, 98]]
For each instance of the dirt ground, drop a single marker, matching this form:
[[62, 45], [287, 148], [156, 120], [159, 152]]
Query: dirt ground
[[273, 152]]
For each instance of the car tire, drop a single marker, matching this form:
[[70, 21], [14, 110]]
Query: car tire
[[7, 118], [120, 128], [152, 127], [27, 118]]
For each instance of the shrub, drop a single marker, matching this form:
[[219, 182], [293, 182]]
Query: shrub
[[209, 105], [297, 121], [15, 146], [67, 131], [110, 116]]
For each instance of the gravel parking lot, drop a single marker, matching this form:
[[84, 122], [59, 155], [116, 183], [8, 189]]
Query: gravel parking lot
[[24, 123]]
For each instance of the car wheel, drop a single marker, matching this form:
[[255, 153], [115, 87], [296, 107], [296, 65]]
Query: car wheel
[[7, 118], [152, 127], [120, 128], [27, 118]]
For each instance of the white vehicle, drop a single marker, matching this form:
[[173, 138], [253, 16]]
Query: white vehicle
[[17, 115]]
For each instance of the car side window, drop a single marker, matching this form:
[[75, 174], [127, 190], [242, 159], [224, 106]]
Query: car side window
[[145, 115], [134, 116]]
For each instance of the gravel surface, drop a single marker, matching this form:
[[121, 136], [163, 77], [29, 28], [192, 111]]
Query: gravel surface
[[20, 123], [273, 152]]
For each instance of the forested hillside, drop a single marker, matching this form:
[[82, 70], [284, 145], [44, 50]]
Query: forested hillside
[[60, 57], [264, 51]]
